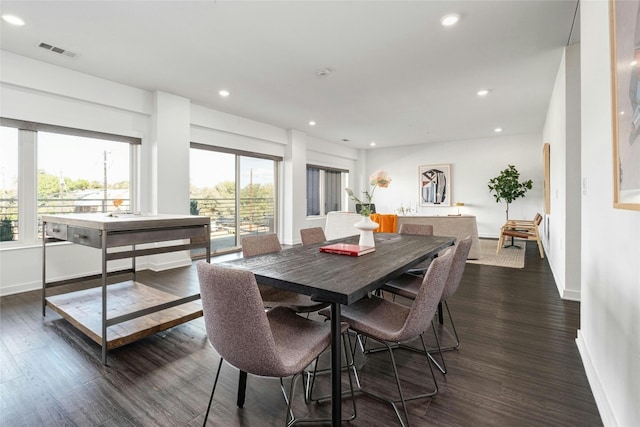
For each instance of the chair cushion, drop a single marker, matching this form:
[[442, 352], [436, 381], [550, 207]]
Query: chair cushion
[[298, 340], [274, 297], [406, 285], [516, 233], [376, 317]]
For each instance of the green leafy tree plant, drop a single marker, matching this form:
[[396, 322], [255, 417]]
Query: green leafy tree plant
[[6, 230], [507, 187]]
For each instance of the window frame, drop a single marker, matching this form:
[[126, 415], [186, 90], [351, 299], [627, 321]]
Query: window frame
[[344, 178], [14, 139], [277, 162], [28, 224]]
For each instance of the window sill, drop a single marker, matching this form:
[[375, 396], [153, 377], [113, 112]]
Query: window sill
[[315, 217], [19, 245]]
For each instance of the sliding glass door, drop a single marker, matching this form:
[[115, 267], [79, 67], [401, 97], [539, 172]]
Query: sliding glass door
[[236, 191], [257, 195]]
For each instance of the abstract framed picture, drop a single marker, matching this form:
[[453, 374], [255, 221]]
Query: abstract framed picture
[[435, 185], [625, 75]]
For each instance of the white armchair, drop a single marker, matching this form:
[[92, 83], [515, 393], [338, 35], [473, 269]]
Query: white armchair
[[341, 224]]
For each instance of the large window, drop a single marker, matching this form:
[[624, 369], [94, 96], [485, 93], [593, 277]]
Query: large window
[[8, 184], [51, 169], [236, 190], [325, 190], [81, 174]]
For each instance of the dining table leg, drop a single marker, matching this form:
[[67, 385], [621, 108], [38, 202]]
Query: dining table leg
[[336, 382], [242, 387]]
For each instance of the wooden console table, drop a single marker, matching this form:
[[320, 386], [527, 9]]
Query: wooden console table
[[459, 226], [135, 310]]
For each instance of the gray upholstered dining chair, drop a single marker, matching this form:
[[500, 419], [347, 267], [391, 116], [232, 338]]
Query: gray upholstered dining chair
[[390, 323], [408, 286], [419, 230], [275, 343], [311, 236], [416, 229], [261, 244]]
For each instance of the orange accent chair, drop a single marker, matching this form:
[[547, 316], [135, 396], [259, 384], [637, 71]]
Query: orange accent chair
[[388, 222]]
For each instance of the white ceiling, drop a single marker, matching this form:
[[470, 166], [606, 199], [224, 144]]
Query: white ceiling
[[399, 77]]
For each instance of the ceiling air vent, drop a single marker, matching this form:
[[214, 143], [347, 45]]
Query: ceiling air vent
[[323, 72], [58, 50]]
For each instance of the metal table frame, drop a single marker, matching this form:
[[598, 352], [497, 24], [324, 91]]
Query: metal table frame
[[103, 232]]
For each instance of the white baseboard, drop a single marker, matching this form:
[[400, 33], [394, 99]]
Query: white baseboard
[[37, 284], [599, 394], [19, 288], [571, 295], [168, 265], [488, 236]]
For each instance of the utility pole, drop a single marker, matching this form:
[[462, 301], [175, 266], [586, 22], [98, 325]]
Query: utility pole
[[251, 198], [104, 168]]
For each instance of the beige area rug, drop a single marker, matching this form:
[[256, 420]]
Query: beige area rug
[[508, 257]]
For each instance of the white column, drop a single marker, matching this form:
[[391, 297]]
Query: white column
[[170, 154], [294, 187], [169, 169], [28, 187]]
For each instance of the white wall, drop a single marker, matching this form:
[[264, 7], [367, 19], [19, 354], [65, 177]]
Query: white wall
[[609, 335], [35, 91], [473, 163], [555, 133], [561, 234], [573, 176]]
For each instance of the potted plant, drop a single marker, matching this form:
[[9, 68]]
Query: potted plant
[[506, 186], [366, 225]]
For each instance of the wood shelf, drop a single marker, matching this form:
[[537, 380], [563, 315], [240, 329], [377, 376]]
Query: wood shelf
[[83, 309]]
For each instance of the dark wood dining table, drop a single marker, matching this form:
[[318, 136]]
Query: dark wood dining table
[[338, 279]]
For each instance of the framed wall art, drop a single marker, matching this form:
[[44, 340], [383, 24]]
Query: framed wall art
[[435, 185], [625, 75]]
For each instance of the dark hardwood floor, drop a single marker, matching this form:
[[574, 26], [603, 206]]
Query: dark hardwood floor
[[518, 365]]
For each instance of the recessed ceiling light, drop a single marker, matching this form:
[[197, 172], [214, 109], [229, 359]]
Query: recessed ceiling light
[[223, 93], [449, 20], [372, 143], [483, 92], [633, 63], [497, 130], [622, 113], [12, 19], [312, 123]]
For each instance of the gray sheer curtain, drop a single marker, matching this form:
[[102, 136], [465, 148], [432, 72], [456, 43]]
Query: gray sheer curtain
[[332, 180], [313, 191]]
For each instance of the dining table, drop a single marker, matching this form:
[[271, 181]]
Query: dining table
[[338, 280]]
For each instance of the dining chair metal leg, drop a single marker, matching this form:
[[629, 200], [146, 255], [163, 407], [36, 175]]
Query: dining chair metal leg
[[455, 337], [404, 403], [442, 368], [288, 399], [215, 382], [349, 367], [394, 403]]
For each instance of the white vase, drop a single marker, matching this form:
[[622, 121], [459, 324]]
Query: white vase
[[366, 227]]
